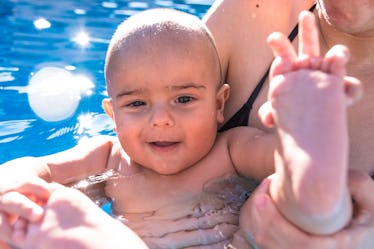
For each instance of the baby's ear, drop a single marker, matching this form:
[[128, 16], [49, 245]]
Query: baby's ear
[[223, 94], [108, 107]]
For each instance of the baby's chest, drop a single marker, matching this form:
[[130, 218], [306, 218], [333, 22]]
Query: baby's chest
[[155, 212], [173, 199], [144, 195]]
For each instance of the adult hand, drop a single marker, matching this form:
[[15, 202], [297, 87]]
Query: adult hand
[[72, 220], [21, 199], [261, 220]]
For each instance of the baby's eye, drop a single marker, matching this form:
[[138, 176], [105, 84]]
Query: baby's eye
[[136, 103], [184, 99]]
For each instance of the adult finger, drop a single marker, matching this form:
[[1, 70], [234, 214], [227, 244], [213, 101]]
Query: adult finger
[[36, 187], [19, 232], [360, 232], [308, 35], [18, 204], [5, 227], [361, 187]]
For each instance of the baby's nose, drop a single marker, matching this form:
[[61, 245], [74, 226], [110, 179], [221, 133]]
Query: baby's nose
[[161, 117]]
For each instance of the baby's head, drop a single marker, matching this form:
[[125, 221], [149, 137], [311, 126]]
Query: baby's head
[[166, 94]]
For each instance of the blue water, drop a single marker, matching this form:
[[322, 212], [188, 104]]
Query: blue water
[[39, 33]]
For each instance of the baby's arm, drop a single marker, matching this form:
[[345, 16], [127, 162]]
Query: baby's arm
[[251, 151], [308, 102]]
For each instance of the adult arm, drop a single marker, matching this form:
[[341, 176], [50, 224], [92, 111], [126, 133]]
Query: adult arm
[[261, 220]]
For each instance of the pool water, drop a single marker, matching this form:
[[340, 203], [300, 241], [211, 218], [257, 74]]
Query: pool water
[[72, 35]]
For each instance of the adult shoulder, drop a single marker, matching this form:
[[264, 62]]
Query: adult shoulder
[[245, 24], [231, 11]]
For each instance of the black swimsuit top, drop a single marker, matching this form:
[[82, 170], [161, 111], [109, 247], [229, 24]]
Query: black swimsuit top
[[240, 118]]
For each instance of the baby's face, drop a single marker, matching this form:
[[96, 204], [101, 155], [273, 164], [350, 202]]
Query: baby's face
[[165, 107]]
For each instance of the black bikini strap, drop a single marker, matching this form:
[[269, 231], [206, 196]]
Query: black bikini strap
[[257, 90]]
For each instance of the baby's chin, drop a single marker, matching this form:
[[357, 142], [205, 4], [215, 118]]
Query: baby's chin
[[167, 169]]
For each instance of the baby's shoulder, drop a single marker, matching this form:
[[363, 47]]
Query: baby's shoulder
[[243, 137], [240, 132]]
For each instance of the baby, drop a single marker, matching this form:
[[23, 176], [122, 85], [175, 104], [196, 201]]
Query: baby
[[176, 182]]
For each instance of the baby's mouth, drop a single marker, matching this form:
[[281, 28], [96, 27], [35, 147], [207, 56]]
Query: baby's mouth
[[163, 144]]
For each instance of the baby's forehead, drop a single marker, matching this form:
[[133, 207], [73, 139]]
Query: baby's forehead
[[154, 32], [161, 30], [164, 34]]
